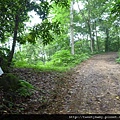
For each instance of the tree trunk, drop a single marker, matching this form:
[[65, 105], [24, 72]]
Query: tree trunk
[[43, 55], [91, 39], [87, 20], [90, 30], [10, 57], [118, 42], [71, 29], [118, 38], [87, 42], [107, 40], [98, 47]]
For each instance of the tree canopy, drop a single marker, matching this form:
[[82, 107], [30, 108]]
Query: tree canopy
[[87, 24], [13, 15]]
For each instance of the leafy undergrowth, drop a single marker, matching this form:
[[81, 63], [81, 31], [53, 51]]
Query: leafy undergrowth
[[50, 87], [61, 61], [118, 58], [12, 91]]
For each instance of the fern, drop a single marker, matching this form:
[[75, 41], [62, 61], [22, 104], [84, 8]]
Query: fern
[[26, 89]]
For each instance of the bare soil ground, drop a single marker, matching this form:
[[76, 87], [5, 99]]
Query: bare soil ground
[[93, 87], [50, 87], [97, 87]]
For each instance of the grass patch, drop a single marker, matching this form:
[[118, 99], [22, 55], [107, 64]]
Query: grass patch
[[118, 59], [44, 67]]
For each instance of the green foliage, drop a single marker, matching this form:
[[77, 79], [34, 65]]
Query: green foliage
[[66, 59], [61, 61], [3, 58], [62, 58], [14, 14], [62, 3], [9, 82], [20, 63], [44, 31], [81, 46], [81, 57], [118, 59], [26, 89], [116, 8], [47, 67], [89, 25]]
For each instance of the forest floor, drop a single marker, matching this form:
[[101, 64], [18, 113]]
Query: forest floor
[[93, 87]]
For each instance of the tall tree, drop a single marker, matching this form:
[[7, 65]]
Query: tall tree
[[71, 28], [15, 13]]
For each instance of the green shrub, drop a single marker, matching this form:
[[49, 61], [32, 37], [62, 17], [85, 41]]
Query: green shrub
[[61, 61], [20, 64], [118, 59], [9, 82], [62, 58], [39, 63], [26, 89], [4, 59]]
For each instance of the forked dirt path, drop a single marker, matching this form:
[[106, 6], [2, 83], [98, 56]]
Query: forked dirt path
[[97, 87]]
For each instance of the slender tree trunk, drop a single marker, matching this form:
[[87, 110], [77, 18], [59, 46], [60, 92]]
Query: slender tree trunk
[[71, 29], [107, 40], [118, 42], [87, 42], [87, 20], [118, 38], [10, 57], [91, 39], [98, 47], [90, 29], [43, 55]]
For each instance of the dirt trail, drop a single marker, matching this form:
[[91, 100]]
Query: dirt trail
[[97, 87]]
